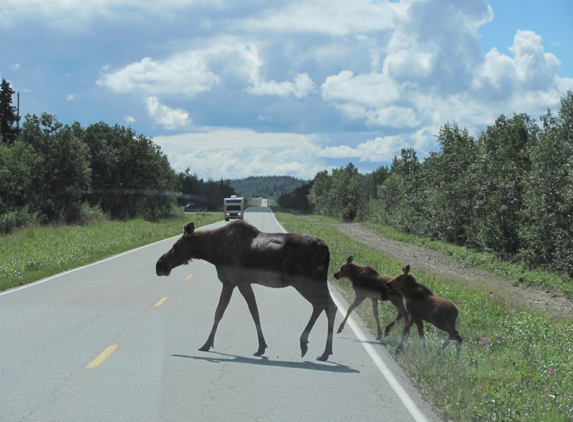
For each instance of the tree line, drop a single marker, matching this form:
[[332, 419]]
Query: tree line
[[508, 190], [55, 172]]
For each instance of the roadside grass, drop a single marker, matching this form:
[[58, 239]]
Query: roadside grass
[[516, 271], [514, 366], [33, 253]]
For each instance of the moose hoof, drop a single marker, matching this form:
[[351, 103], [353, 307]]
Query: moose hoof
[[260, 352], [205, 348], [339, 330], [324, 357], [303, 348], [379, 337]]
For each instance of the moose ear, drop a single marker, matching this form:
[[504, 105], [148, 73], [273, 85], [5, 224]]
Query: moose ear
[[349, 259], [189, 228], [406, 269]]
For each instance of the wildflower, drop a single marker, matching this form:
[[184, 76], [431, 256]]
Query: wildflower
[[549, 388], [14, 260], [567, 396], [483, 341], [551, 371]]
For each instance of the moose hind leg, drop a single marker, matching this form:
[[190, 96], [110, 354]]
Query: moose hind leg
[[316, 311], [247, 292], [224, 299], [330, 314], [377, 318]]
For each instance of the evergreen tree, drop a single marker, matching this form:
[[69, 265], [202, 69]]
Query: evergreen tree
[[8, 114]]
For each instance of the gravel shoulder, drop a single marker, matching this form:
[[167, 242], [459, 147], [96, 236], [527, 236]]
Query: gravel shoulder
[[435, 262]]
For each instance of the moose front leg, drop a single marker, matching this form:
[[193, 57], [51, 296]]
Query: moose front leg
[[357, 301], [247, 292], [224, 299]]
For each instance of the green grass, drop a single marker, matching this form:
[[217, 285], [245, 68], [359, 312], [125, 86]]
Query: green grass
[[30, 254], [514, 365], [515, 271]]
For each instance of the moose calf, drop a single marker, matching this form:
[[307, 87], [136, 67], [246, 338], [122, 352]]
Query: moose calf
[[423, 305], [367, 282]]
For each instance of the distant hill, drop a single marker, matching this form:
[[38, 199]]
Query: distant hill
[[270, 187]]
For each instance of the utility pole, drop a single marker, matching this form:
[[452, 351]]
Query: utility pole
[[18, 112]]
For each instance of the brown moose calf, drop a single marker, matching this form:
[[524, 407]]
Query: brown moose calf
[[423, 305], [367, 282]]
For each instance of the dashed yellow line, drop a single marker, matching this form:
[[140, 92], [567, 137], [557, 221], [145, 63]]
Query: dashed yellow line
[[161, 301], [189, 277], [103, 356]]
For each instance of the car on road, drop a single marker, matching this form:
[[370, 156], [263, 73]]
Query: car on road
[[192, 207]]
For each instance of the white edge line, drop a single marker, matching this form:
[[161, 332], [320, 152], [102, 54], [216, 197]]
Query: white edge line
[[35, 283], [377, 359]]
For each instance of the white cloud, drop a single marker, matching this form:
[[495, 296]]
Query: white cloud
[[300, 88], [530, 69], [76, 15], [183, 74], [380, 149], [333, 17], [128, 119], [168, 117], [231, 153], [70, 97], [370, 98]]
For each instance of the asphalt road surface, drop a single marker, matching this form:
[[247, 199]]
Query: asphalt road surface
[[112, 341]]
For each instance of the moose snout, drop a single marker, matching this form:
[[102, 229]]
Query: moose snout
[[161, 268], [337, 275], [390, 285]]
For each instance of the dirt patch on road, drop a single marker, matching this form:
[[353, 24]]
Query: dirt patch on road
[[435, 262]]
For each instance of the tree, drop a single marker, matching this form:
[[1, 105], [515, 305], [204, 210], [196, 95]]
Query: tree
[[450, 186], [9, 118], [402, 195], [16, 164], [61, 175], [130, 175], [505, 156], [547, 228], [297, 199]]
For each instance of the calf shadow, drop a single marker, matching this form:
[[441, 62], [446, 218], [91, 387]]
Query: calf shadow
[[265, 361]]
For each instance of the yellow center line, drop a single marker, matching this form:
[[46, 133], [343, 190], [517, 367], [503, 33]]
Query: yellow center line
[[103, 356], [205, 262], [189, 277], [160, 302]]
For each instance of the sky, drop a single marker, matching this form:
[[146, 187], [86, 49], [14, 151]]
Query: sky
[[231, 89]]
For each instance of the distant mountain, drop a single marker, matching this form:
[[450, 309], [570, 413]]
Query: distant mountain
[[270, 187]]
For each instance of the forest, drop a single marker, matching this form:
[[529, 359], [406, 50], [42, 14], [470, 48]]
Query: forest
[[52, 172], [508, 190]]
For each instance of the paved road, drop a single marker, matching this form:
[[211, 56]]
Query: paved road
[[114, 342]]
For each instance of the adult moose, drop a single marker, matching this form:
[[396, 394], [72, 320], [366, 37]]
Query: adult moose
[[423, 305], [243, 255], [369, 283]]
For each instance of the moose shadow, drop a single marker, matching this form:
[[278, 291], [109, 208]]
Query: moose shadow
[[265, 361]]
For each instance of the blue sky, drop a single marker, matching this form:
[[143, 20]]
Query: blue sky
[[233, 89]]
